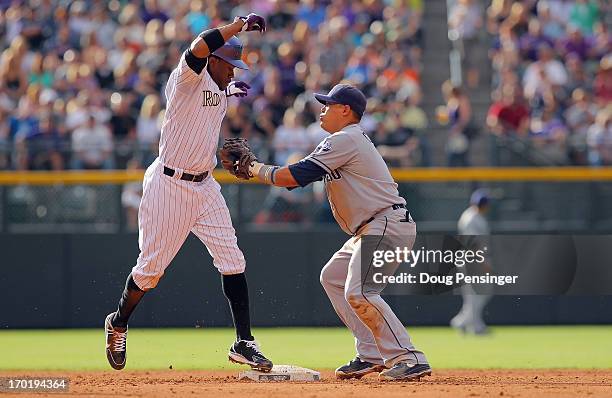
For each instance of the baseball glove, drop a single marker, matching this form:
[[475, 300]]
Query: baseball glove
[[236, 157]]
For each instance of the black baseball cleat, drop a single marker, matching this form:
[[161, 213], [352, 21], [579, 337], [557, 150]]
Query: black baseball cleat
[[248, 353], [356, 369], [115, 344], [403, 371]]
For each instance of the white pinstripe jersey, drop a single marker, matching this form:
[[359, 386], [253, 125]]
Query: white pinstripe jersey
[[194, 112]]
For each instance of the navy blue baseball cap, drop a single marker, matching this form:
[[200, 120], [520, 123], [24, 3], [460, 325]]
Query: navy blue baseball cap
[[480, 197], [345, 94]]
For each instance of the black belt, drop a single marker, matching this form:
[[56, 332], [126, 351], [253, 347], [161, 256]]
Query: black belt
[[186, 176], [369, 220]]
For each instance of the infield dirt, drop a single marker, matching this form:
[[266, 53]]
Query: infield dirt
[[443, 383]]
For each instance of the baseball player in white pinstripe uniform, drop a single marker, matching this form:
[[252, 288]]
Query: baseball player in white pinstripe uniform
[[179, 194]]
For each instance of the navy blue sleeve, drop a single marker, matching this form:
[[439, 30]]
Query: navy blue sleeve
[[196, 64], [305, 171]]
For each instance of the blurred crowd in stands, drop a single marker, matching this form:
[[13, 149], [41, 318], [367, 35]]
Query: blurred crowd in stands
[[81, 82], [552, 78]]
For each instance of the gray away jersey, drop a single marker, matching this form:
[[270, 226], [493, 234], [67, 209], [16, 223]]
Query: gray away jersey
[[358, 182]]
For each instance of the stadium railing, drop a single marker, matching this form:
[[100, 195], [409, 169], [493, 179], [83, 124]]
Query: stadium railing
[[545, 199]]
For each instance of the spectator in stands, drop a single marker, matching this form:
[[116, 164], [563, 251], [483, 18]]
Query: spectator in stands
[[465, 21], [285, 206], [92, 144], [509, 114], [533, 40], [601, 41], [197, 19], [312, 13], [543, 77], [600, 139], [602, 85], [41, 148], [290, 137], [100, 57], [577, 75], [583, 15], [574, 43], [4, 140], [123, 127], [131, 196], [12, 77], [148, 128], [461, 127], [551, 27], [579, 116], [549, 135], [560, 10], [396, 144]]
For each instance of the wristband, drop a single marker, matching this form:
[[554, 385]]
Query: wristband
[[265, 173]]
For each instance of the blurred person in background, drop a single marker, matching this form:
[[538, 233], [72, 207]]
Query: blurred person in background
[[579, 116], [131, 196], [533, 40], [599, 138], [40, 150], [148, 128], [544, 74], [583, 15], [602, 85], [508, 115], [290, 137], [4, 141], [551, 27], [92, 144], [574, 43], [123, 126], [396, 143], [283, 205], [465, 21], [461, 128], [12, 77], [549, 134], [473, 228]]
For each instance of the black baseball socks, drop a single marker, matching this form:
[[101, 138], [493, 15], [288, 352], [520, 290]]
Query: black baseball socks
[[129, 300], [237, 293]]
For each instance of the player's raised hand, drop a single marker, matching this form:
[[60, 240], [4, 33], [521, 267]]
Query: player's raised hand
[[237, 88], [253, 22]]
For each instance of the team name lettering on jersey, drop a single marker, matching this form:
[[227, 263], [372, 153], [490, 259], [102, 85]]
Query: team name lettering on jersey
[[210, 98], [335, 175]]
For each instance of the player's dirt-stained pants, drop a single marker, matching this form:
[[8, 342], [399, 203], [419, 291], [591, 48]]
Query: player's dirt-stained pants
[[169, 210], [380, 337]]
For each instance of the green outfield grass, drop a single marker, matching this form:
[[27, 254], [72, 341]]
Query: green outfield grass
[[320, 348]]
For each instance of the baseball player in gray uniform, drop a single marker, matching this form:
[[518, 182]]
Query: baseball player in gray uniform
[[364, 201], [181, 196], [473, 225]]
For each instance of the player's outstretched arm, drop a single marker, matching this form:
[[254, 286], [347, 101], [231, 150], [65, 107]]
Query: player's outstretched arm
[[212, 39], [298, 174]]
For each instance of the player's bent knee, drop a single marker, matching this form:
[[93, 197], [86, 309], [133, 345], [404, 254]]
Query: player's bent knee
[[355, 299], [146, 282]]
